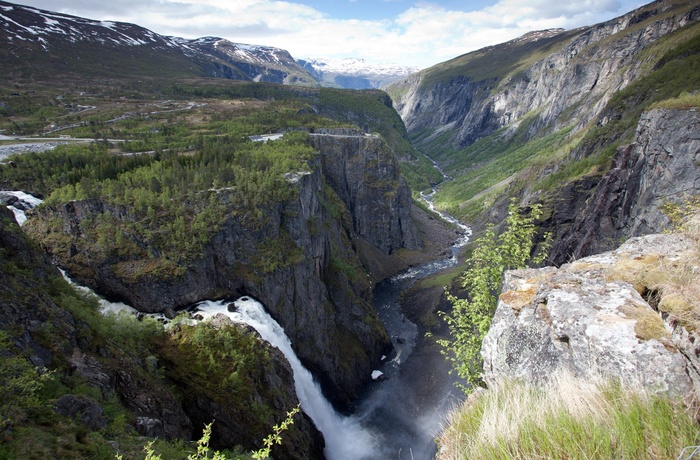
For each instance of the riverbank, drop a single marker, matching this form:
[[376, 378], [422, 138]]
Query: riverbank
[[437, 235]]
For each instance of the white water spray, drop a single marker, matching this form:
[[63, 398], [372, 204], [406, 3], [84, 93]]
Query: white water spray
[[345, 438], [28, 202]]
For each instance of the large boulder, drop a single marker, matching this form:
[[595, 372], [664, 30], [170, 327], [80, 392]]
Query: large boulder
[[580, 319]]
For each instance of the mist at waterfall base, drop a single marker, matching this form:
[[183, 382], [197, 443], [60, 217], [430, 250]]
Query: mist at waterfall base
[[345, 438], [408, 407], [390, 421]]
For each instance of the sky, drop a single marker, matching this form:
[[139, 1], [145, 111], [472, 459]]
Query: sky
[[406, 32]]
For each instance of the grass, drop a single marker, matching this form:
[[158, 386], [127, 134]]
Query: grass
[[513, 162], [685, 101], [567, 419], [672, 285], [487, 167]]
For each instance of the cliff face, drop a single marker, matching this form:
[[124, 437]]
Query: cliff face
[[302, 264], [659, 169], [49, 324], [366, 176], [578, 74]]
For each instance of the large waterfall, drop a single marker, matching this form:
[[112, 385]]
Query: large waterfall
[[345, 438], [388, 422]]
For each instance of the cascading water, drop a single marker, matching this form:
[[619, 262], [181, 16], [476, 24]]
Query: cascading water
[[386, 424], [345, 438], [25, 202]]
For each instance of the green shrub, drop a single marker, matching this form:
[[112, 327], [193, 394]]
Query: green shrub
[[470, 318]]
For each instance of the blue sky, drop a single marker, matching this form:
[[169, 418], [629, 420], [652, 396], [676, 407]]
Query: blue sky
[[383, 9], [416, 33]]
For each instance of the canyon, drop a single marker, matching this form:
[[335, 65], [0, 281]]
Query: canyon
[[592, 124]]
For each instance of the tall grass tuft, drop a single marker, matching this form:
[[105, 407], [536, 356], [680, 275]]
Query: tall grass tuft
[[567, 419]]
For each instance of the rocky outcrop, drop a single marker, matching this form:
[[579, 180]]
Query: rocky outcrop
[[366, 176], [239, 419], [317, 288], [579, 319], [86, 409], [659, 169], [36, 315]]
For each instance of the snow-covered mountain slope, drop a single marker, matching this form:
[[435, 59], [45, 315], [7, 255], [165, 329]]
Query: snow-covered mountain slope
[[46, 43], [355, 73]]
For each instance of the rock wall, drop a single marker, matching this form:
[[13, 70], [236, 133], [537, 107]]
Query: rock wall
[[579, 319], [579, 73], [321, 295], [366, 176], [661, 167], [43, 329]]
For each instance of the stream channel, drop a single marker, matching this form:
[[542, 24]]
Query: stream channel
[[408, 405], [402, 411]]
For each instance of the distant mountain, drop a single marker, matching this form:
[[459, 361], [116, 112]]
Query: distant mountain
[[38, 43], [582, 121], [355, 73]]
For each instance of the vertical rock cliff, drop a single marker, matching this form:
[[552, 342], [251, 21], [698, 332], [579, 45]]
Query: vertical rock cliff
[[574, 75], [366, 176], [302, 263], [51, 325], [659, 169]]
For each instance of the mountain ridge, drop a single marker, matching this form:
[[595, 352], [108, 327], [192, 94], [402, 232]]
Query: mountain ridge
[[353, 73], [524, 117], [27, 32]]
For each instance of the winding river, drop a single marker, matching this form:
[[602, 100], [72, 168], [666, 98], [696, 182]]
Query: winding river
[[407, 407]]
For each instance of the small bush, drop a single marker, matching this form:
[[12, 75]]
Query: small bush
[[471, 318]]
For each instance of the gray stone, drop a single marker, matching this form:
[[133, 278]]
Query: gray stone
[[574, 319], [87, 410], [326, 312], [661, 167]]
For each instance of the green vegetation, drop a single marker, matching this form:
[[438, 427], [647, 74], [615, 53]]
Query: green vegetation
[[275, 437], [218, 361], [568, 419], [684, 101], [372, 109], [492, 162], [47, 319], [162, 206], [671, 285], [470, 318], [22, 382], [514, 161]]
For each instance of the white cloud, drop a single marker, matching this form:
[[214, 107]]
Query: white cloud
[[424, 34]]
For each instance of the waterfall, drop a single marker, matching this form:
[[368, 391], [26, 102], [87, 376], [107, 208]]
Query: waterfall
[[26, 201], [345, 438]]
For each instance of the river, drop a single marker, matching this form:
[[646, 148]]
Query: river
[[399, 414], [407, 407]]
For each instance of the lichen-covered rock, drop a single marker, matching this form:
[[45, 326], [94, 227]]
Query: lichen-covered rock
[[578, 319]]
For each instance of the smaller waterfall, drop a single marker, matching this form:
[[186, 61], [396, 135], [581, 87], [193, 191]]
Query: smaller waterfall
[[26, 202], [345, 438]]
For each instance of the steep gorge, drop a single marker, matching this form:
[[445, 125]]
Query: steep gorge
[[540, 118], [319, 290]]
